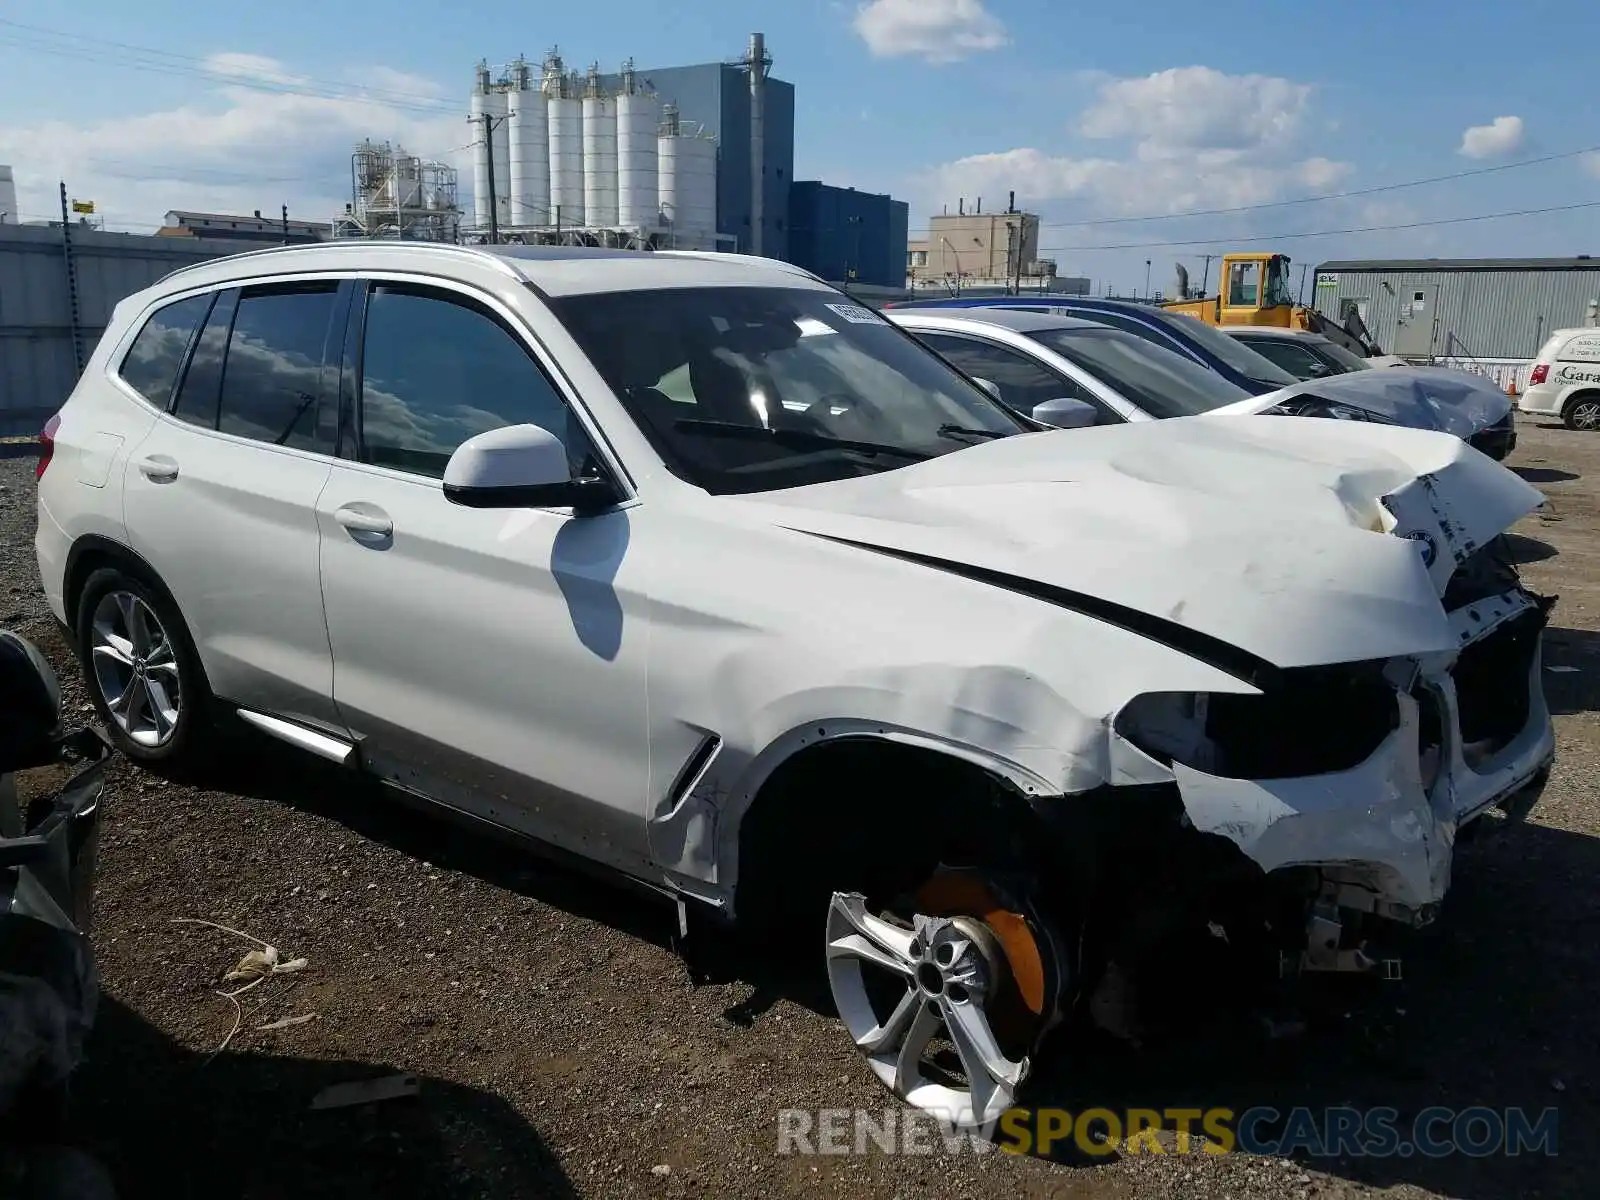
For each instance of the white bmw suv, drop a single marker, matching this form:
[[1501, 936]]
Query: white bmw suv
[[693, 566]]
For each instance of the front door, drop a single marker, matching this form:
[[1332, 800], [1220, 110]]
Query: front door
[[221, 495], [493, 660], [1418, 319]]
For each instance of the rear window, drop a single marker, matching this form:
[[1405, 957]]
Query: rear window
[[272, 377], [1231, 351], [1584, 347], [152, 362]]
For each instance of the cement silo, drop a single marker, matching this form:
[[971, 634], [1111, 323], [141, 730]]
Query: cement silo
[[687, 160], [566, 143], [486, 99], [599, 153], [638, 179], [530, 149]]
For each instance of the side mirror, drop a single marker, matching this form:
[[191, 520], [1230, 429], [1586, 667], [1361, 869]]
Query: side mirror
[[1066, 412], [521, 466], [991, 387]]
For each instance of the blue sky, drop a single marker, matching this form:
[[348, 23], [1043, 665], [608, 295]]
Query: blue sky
[[1093, 113]]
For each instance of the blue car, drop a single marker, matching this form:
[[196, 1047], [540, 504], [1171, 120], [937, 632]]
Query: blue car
[[1210, 347]]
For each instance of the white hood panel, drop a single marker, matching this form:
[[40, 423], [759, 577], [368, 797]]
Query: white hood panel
[[1268, 535]]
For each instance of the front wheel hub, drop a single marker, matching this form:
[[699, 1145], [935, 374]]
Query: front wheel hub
[[946, 1006]]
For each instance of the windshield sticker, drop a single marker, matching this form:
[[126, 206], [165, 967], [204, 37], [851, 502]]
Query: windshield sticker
[[855, 314]]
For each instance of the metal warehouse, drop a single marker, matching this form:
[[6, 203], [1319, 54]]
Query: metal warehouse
[[1464, 310]]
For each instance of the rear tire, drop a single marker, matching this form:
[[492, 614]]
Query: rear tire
[[1583, 412], [143, 672]]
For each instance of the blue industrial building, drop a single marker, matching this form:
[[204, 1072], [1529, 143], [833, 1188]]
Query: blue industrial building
[[847, 236], [717, 95]]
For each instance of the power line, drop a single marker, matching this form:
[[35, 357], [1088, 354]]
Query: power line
[[1317, 199], [165, 62], [1354, 192], [1312, 233]]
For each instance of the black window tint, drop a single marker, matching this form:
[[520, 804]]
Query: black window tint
[[1022, 381], [272, 378], [1292, 357], [436, 370], [202, 382], [152, 362]]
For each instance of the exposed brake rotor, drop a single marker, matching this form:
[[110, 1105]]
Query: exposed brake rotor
[[1028, 967]]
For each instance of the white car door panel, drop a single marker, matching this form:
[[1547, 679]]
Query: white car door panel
[[227, 518], [491, 659]]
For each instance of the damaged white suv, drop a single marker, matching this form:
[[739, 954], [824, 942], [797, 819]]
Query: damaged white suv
[[692, 566]]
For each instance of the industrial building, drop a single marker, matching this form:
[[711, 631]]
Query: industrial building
[[697, 157], [847, 236], [984, 252], [257, 229], [8, 198], [394, 194], [1462, 311]]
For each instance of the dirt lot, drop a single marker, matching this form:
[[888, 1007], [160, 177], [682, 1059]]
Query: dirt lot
[[564, 1048]]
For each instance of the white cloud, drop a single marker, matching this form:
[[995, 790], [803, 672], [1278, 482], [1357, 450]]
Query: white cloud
[[1198, 108], [235, 147], [1197, 139], [1502, 136], [938, 31]]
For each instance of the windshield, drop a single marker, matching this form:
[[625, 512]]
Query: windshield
[[751, 389], [1162, 383], [1240, 357]]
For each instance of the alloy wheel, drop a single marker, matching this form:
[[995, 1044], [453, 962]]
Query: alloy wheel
[[1585, 414], [135, 667], [931, 1005]]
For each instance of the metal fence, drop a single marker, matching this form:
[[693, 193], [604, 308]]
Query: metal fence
[[56, 295]]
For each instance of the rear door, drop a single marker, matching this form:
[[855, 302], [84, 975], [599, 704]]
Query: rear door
[[220, 496]]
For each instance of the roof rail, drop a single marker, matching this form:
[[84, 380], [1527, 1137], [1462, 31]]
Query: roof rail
[[726, 256], [345, 243]]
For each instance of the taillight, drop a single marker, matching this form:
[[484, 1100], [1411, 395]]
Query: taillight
[[47, 445], [1541, 372]]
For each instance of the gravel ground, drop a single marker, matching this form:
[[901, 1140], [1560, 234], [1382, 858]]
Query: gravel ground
[[564, 1047]]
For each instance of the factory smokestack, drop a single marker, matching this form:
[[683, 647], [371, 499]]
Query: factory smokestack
[[758, 63]]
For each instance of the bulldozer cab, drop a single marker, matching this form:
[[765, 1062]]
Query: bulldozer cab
[[1252, 286]]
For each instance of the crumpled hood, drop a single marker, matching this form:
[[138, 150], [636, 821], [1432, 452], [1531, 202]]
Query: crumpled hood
[[1271, 535], [1454, 402]]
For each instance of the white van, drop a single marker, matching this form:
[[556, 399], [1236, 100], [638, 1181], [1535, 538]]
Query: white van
[[1565, 381]]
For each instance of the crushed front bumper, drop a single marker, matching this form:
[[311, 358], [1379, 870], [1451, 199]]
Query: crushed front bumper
[[1472, 736]]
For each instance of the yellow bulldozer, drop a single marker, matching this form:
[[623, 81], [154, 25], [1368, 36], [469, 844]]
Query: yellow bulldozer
[[1254, 290]]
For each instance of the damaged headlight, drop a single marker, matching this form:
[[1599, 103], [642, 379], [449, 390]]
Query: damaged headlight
[[1312, 721], [1315, 406]]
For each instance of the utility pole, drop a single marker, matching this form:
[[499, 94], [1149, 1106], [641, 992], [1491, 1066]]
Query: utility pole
[[73, 315], [489, 121], [285, 224], [1205, 275], [1147, 279], [1302, 299]]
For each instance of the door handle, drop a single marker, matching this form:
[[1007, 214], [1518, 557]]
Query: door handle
[[357, 521], [158, 468]]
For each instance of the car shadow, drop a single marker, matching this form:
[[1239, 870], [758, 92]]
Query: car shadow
[[1544, 474], [1526, 550], [1494, 1010], [1572, 670], [167, 1123]]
